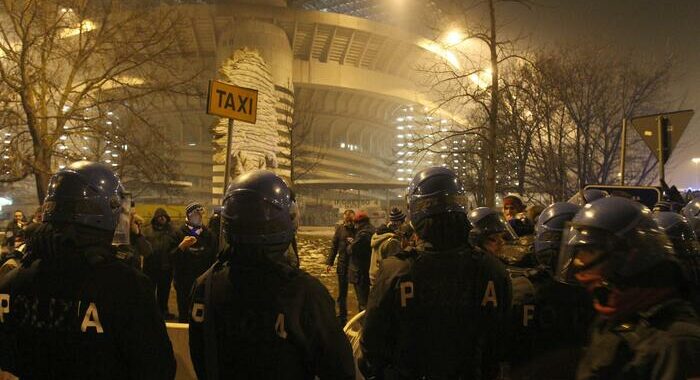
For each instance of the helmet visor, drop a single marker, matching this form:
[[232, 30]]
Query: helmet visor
[[582, 248], [123, 230], [433, 204]]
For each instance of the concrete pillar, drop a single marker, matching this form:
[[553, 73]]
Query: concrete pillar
[[267, 67]]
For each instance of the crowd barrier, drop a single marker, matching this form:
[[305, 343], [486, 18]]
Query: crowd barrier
[[179, 336]]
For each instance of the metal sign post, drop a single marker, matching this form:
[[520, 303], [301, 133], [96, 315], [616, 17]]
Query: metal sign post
[[234, 103], [662, 133], [661, 140]]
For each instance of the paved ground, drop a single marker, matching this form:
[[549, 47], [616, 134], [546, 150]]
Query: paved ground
[[314, 244]]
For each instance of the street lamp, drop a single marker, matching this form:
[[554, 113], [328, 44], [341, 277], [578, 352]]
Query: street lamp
[[453, 37], [696, 161]]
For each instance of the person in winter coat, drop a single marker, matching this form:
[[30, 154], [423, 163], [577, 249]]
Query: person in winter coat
[[139, 244], [360, 252], [514, 210], [14, 229], [158, 266], [386, 241], [194, 254], [343, 236]]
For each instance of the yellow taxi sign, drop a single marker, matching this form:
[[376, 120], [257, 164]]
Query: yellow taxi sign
[[233, 102]]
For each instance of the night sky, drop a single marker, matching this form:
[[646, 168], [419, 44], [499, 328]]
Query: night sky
[[648, 27]]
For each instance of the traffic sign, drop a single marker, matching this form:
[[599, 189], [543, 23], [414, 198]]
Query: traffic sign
[[233, 102], [673, 126], [646, 195]]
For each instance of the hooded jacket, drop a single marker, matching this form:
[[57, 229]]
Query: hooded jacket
[[163, 241], [384, 243]]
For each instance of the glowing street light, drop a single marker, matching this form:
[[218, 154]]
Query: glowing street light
[[453, 37], [696, 161]]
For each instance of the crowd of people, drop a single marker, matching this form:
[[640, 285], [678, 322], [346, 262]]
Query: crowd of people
[[606, 290], [167, 255]]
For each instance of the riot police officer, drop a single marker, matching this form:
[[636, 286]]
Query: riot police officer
[[685, 248], [550, 318], [72, 310], [644, 328], [548, 231], [436, 309], [253, 315], [692, 212], [489, 233]]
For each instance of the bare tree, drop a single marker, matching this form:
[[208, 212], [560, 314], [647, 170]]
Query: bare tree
[[79, 77], [598, 88], [465, 84], [304, 157]]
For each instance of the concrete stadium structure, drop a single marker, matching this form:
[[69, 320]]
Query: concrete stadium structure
[[342, 79]]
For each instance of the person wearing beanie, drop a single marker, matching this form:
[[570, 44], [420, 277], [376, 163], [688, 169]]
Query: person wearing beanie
[[396, 219], [514, 211], [194, 254], [388, 240]]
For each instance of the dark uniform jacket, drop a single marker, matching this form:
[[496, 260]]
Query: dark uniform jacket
[[360, 252], [434, 314], [550, 323], [660, 343], [343, 233], [268, 321], [195, 260], [82, 316]]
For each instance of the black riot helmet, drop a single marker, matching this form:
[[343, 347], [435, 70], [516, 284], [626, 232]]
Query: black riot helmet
[[435, 190], [667, 206], [587, 196], [680, 233], [548, 230], [486, 221], [88, 194], [436, 211], [692, 212], [256, 210], [616, 234]]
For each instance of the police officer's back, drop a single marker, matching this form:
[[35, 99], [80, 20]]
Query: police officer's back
[[73, 310], [433, 307], [253, 315], [551, 321]]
